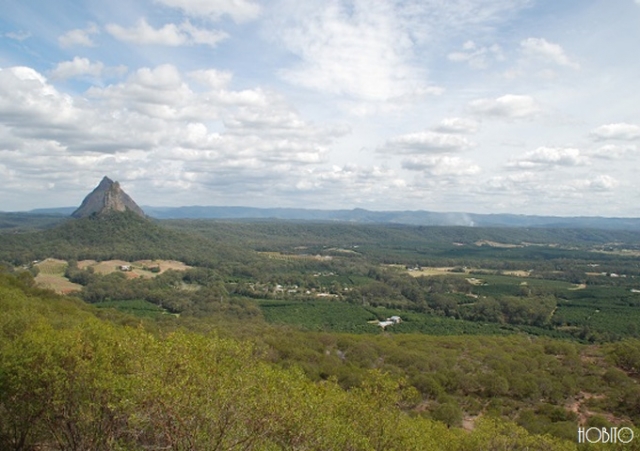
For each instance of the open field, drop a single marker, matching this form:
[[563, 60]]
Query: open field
[[289, 257], [51, 276], [51, 271], [57, 283], [496, 244], [451, 271], [140, 268], [431, 271]]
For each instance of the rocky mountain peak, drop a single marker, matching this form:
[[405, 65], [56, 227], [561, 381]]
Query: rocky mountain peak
[[108, 196]]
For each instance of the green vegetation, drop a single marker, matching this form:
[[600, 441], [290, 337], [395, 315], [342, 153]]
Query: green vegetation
[[71, 381], [272, 335], [136, 307], [125, 236]]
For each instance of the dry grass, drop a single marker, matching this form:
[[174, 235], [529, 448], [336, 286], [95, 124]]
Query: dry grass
[[496, 244], [51, 271], [137, 267], [164, 265], [52, 266], [288, 257], [57, 283], [517, 273]]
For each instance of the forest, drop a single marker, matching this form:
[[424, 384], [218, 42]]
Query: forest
[[270, 337]]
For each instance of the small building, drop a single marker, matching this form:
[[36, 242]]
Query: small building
[[390, 321]]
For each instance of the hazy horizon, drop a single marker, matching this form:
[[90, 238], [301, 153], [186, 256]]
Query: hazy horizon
[[521, 107]]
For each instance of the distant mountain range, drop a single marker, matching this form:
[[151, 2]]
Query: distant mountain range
[[358, 215]]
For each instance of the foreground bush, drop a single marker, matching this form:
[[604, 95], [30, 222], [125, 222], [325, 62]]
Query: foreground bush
[[69, 381]]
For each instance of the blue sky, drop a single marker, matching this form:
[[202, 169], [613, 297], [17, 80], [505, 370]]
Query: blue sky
[[493, 106]]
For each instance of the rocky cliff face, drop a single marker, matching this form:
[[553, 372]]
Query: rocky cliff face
[[108, 196]]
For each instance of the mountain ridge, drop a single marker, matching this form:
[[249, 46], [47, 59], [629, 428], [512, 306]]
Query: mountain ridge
[[408, 217]]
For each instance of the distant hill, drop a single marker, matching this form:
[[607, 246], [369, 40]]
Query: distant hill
[[419, 217], [116, 235], [107, 197], [415, 217]]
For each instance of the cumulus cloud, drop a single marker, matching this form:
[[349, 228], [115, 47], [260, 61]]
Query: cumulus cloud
[[81, 37], [603, 183], [622, 131], [212, 78], [545, 157], [170, 34], [238, 10], [426, 142], [153, 121], [457, 125], [478, 57], [548, 52], [441, 165], [79, 67], [614, 152], [509, 106]]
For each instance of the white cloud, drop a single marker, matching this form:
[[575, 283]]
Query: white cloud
[[170, 34], [441, 165], [78, 66], [547, 52], [614, 152], [457, 125], [546, 157], [478, 57], [202, 36], [238, 10], [28, 100], [603, 183], [426, 142], [211, 78], [621, 131], [508, 106], [80, 37], [359, 51], [152, 123]]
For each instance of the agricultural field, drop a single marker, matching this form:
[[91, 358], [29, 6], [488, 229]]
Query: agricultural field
[[51, 276], [51, 271], [140, 268]]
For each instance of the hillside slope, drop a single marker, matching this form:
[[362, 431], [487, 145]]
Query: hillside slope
[[124, 235]]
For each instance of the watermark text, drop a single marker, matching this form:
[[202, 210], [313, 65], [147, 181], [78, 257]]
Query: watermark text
[[605, 435]]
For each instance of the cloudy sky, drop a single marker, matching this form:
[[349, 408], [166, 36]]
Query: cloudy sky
[[485, 106]]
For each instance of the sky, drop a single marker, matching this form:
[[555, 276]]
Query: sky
[[481, 106]]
